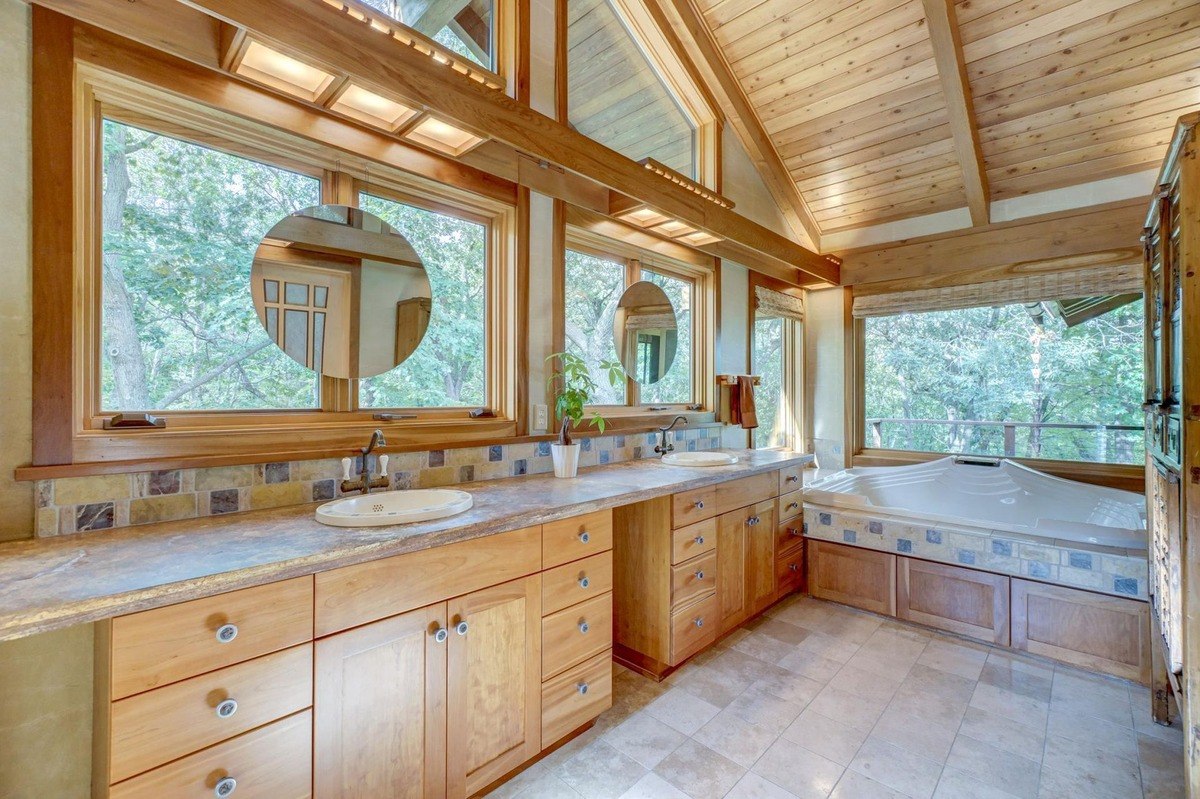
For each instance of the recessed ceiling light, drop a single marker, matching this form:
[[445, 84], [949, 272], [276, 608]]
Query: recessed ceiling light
[[366, 106], [674, 228], [266, 65], [700, 238], [443, 137], [643, 216]]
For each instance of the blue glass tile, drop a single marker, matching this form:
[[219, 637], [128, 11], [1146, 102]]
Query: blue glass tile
[[875, 527], [437, 457], [691, 446], [520, 466], [619, 442], [1125, 585], [637, 452], [543, 448], [849, 536], [1002, 548], [826, 518], [1080, 560], [585, 445], [966, 556], [495, 453], [605, 456], [903, 545], [1039, 569], [933, 536]]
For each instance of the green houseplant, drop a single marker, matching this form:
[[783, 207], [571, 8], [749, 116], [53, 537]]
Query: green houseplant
[[573, 386]]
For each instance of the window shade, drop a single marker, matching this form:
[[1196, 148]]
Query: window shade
[[1107, 280], [769, 302]]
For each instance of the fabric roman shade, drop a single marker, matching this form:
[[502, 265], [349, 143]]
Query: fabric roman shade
[[1100, 281], [769, 302]]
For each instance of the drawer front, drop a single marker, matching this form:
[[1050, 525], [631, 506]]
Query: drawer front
[[693, 506], [575, 634], [747, 491], [790, 479], [572, 583], [355, 595], [578, 537], [789, 572], [169, 722], [165, 645], [694, 627], [695, 539], [789, 505], [690, 580], [575, 697], [788, 536], [863, 578], [273, 762]]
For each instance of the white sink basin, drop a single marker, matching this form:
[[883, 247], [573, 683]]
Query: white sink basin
[[699, 459], [394, 507]]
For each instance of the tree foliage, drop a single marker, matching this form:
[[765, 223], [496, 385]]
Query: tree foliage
[[574, 389]]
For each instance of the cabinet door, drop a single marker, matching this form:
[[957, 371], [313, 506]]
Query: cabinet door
[[380, 725], [760, 556], [494, 684], [732, 603], [863, 578], [963, 601]]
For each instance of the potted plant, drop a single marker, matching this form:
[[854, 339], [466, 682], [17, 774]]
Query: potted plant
[[573, 388]]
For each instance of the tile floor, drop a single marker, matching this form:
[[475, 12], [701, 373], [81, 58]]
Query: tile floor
[[817, 700]]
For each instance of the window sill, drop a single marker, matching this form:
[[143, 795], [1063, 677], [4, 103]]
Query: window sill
[[1128, 477]]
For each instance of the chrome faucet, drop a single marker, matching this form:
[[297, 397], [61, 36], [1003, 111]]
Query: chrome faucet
[[663, 446], [365, 481]]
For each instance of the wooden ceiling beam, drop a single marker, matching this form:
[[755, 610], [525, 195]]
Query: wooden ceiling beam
[[704, 51], [952, 70]]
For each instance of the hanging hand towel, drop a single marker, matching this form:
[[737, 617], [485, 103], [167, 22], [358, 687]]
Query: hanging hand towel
[[745, 395]]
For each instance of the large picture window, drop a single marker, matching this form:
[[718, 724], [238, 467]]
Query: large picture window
[[776, 329], [1057, 380]]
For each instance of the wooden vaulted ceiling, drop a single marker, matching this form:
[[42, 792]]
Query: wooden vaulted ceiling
[[858, 100]]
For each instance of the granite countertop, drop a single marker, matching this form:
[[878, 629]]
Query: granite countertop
[[51, 583]]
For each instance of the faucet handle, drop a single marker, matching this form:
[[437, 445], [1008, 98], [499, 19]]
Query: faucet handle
[[346, 468], [383, 461]]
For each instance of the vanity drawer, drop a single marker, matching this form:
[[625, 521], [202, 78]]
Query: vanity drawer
[[790, 479], [693, 506], [747, 491], [789, 536], [165, 645], [790, 505], [167, 723], [273, 762], [578, 537], [690, 580], [789, 571], [575, 697], [575, 634], [693, 627], [570, 583], [695, 539]]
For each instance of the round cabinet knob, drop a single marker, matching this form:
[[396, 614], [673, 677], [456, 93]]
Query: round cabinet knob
[[226, 633], [700, 504], [753, 520], [583, 627], [793, 531], [582, 687], [227, 708], [794, 567], [584, 582], [440, 635], [791, 478], [700, 574], [461, 628], [699, 539], [225, 787], [699, 622], [792, 505], [584, 537]]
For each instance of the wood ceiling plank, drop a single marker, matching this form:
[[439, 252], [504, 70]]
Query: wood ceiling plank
[[880, 181], [1015, 36], [1075, 173], [893, 199], [877, 112], [1019, 149], [947, 51], [749, 35], [1045, 158], [720, 12], [971, 10], [998, 20], [914, 162], [827, 196], [806, 151], [1097, 127], [929, 205], [810, 166]]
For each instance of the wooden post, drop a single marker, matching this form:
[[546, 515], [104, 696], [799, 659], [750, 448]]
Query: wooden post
[[1010, 441]]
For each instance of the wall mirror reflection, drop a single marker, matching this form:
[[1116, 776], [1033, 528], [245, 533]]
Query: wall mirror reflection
[[645, 332], [340, 291]]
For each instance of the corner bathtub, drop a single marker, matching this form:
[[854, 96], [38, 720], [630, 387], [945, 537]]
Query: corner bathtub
[[992, 514]]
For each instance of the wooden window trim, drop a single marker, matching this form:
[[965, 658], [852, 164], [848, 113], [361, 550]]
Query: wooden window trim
[[793, 362]]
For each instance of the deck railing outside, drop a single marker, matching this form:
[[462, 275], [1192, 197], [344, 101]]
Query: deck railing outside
[[955, 439]]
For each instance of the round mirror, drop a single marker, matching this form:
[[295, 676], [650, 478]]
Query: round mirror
[[340, 291], [645, 332]]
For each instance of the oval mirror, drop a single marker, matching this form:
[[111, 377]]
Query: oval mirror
[[645, 332], [340, 291]]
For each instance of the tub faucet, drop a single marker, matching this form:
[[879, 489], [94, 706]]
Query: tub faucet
[[663, 446], [365, 482]]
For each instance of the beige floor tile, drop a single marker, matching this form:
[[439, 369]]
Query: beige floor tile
[[1115, 711], [835, 703], [1020, 662], [735, 738], [1162, 768], [600, 772], [1034, 686], [870, 685], [780, 630], [828, 647], [811, 665], [791, 687], [644, 738], [949, 687], [853, 785], [548, 786], [740, 666], [956, 784], [713, 686], [953, 658], [765, 710], [897, 768], [927, 739], [681, 710], [1070, 770], [805, 774], [520, 782], [571, 748], [994, 766], [827, 737], [1004, 733], [1005, 703], [890, 657], [653, 786], [928, 708], [1075, 684], [700, 772], [764, 647], [752, 786], [1106, 737]]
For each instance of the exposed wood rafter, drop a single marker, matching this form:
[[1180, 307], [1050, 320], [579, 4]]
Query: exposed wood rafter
[[702, 48], [952, 70]]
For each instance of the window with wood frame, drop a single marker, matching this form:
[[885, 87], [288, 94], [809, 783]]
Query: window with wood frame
[[776, 357], [465, 27]]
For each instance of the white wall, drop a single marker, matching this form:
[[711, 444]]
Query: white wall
[[825, 349], [733, 347], [744, 185]]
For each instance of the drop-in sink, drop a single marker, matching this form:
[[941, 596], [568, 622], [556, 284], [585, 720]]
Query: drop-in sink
[[394, 507], [699, 459]]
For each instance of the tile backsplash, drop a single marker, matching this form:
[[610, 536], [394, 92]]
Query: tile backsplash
[[79, 504]]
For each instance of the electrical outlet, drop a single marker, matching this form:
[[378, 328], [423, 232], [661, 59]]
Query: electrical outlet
[[541, 417]]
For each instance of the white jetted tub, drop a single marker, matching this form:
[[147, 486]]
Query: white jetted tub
[[992, 494]]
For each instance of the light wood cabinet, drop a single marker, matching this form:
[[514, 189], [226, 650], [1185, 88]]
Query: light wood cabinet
[[575, 697], [745, 563], [964, 601], [863, 578]]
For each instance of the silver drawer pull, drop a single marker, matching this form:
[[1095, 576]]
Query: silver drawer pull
[[583, 627], [791, 478], [584, 537], [753, 520], [699, 539], [699, 621], [582, 687], [225, 787], [700, 574], [227, 708], [700, 504], [794, 567], [226, 633], [793, 505], [584, 582], [440, 634], [793, 531], [461, 628]]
